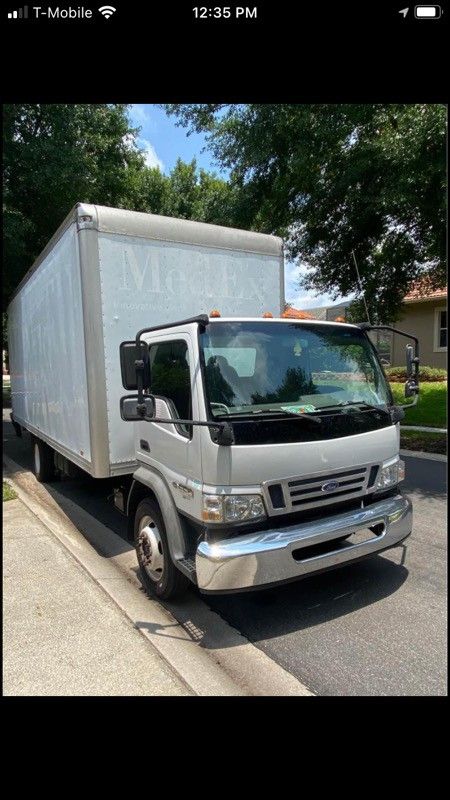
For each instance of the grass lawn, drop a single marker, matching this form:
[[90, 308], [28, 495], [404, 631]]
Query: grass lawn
[[431, 408], [423, 440], [8, 493]]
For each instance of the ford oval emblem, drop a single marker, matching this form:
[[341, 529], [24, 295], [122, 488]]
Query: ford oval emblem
[[330, 486]]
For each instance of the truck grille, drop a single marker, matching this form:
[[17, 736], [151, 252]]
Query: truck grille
[[316, 490]]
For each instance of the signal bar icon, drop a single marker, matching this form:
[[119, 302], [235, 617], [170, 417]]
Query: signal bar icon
[[20, 13]]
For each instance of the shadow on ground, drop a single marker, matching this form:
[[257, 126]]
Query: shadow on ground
[[312, 601], [263, 614]]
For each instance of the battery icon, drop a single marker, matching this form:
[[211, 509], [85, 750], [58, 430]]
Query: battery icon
[[427, 12]]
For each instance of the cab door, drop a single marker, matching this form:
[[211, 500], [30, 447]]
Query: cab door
[[173, 449]]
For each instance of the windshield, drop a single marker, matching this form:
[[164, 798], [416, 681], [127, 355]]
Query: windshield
[[259, 368]]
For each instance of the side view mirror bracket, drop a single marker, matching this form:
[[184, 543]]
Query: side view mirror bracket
[[412, 364], [133, 409]]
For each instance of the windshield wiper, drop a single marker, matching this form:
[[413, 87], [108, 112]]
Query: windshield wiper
[[351, 403], [263, 416], [313, 417]]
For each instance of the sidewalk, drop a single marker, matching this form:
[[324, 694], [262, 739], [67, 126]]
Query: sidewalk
[[203, 652], [62, 635]]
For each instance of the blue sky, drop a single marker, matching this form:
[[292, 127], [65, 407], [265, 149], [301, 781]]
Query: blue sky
[[163, 142]]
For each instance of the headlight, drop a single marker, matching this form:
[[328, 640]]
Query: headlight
[[232, 507], [391, 473]]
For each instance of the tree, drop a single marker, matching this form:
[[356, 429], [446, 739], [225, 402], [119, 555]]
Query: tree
[[188, 194], [57, 155], [54, 156], [333, 179]]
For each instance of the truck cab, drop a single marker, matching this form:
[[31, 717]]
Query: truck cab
[[267, 450]]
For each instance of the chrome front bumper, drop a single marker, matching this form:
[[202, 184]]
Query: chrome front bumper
[[258, 559]]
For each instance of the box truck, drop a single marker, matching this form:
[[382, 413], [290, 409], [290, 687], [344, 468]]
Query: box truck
[[248, 449]]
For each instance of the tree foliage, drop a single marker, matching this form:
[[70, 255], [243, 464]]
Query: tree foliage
[[58, 155], [333, 179], [187, 193]]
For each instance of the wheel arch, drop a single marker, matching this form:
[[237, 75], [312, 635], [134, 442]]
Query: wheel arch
[[148, 483], [138, 492]]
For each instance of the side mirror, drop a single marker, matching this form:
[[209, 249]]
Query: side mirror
[[129, 408], [409, 361], [128, 365], [411, 388], [412, 368]]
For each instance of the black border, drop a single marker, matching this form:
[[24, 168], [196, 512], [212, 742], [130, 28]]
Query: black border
[[330, 51]]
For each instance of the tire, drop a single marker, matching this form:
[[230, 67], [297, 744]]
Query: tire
[[43, 462], [158, 573]]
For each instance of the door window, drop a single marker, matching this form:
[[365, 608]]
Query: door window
[[170, 378]]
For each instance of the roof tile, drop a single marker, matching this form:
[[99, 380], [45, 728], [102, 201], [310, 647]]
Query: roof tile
[[422, 290], [294, 313]]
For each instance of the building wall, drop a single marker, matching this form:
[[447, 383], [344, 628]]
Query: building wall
[[338, 310], [419, 319], [329, 313]]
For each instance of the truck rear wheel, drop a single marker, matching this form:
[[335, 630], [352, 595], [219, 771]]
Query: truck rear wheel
[[44, 467], [158, 572]]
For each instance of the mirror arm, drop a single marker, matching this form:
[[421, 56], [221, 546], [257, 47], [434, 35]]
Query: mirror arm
[[366, 326], [139, 364], [415, 400], [397, 411], [224, 429], [201, 319]]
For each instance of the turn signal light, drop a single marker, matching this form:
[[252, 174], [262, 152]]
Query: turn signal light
[[267, 315], [214, 313]]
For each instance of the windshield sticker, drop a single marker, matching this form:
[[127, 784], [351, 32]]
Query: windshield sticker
[[295, 409]]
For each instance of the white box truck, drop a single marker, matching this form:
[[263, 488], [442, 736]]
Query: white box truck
[[249, 449]]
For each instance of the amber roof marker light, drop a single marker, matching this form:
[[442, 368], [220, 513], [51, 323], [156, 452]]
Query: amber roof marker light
[[267, 315], [214, 314]]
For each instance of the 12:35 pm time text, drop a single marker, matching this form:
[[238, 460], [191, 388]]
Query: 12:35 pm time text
[[225, 12]]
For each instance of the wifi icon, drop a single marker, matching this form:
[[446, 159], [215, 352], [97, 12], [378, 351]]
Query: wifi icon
[[107, 11]]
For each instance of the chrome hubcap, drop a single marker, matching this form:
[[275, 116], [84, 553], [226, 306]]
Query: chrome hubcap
[[150, 548]]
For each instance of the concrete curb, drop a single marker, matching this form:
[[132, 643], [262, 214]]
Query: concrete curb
[[231, 666], [190, 664], [420, 454], [422, 428]]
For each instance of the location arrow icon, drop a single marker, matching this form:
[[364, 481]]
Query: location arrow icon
[[404, 11]]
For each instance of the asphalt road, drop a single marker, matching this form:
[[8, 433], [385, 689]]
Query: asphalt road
[[374, 628]]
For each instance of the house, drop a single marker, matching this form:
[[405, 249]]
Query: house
[[331, 313], [424, 314], [294, 313]]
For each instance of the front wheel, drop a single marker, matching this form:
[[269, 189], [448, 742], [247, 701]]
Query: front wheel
[[158, 572], [43, 461]]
